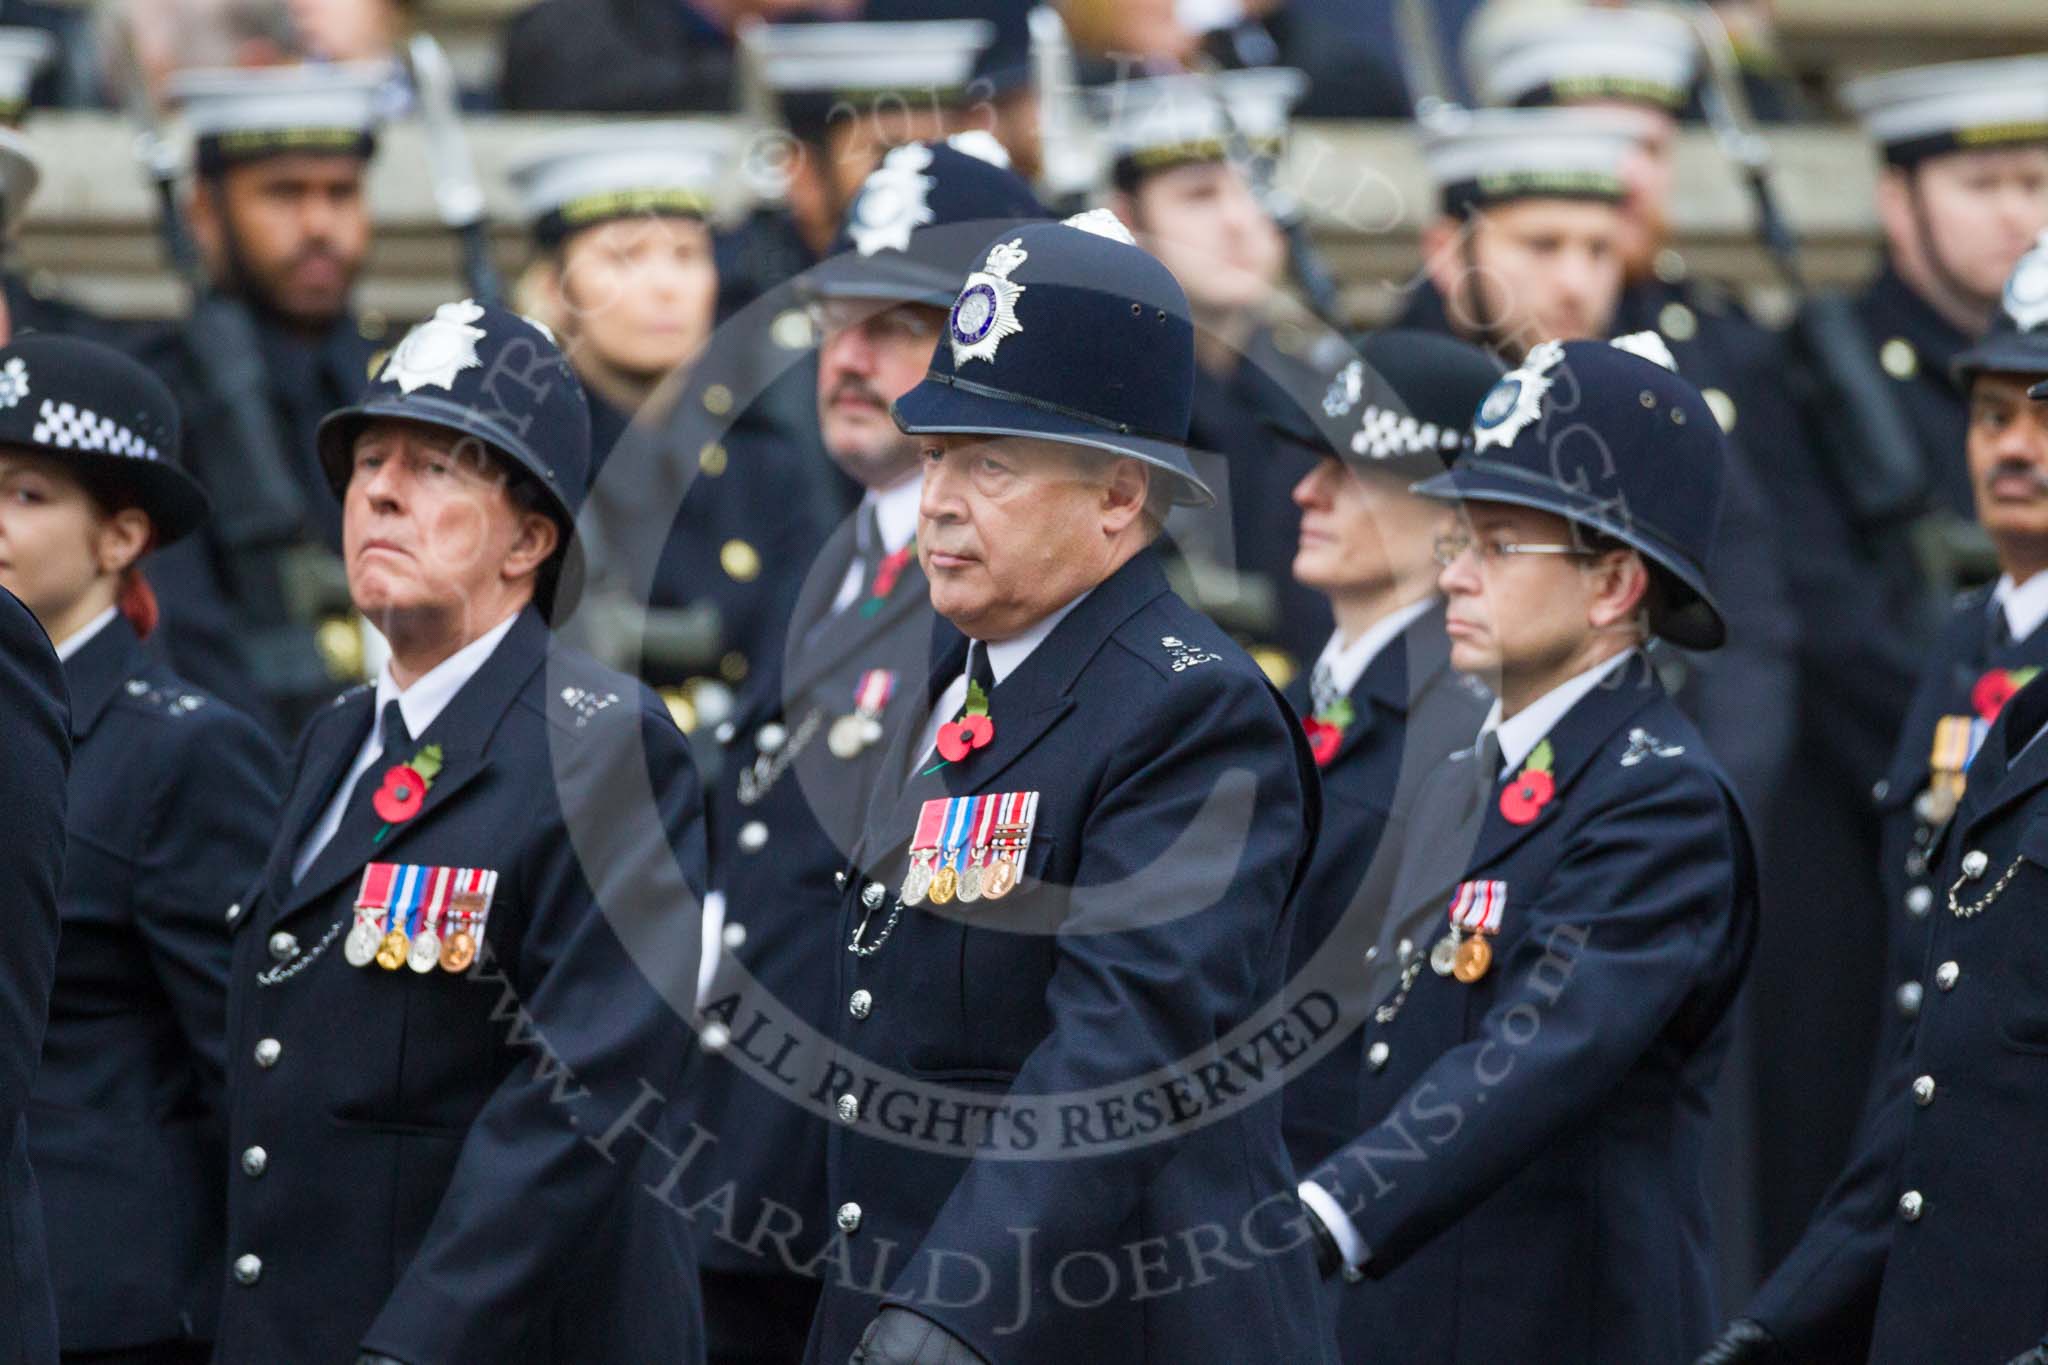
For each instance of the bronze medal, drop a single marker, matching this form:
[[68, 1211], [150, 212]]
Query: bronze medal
[[458, 952], [391, 953], [1474, 957], [1443, 958], [1001, 879], [944, 885], [970, 882]]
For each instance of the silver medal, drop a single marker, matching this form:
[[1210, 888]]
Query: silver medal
[[1443, 958], [425, 953], [361, 948]]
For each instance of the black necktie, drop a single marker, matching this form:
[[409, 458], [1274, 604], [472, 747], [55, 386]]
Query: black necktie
[[397, 749], [1486, 765], [1998, 632]]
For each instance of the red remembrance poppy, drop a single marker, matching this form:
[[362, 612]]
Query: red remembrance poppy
[[1526, 796], [1323, 740], [978, 729], [399, 799], [1992, 692]]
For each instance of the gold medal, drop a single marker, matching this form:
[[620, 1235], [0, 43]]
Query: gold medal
[[847, 738], [944, 885], [1443, 958], [970, 882], [391, 953], [458, 952], [1001, 879], [1474, 956]]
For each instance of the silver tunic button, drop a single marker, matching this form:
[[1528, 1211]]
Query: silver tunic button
[[848, 1216], [753, 837], [860, 1004], [1880, 790], [234, 912], [770, 737], [725, 731], [871, 895], [1908, 998], [283, 945], [1405, 951], [733, 935], [1947, 974], [1974, 863], [839, 879], [248, 1269], [1923, 1090], [1919, 901], [849, 1108], [1376, 1055], [1372, 954], [255, 1161], [267, 1052], [1910, 1205]]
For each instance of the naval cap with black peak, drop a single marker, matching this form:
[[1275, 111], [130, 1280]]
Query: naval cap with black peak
[[1481, 158], [245, 114], [823, 73], [921, 222], [103, 416], [1539, 52], [1402, 401], [24, 52], [1926, 111], [1606, 435], [2017, 342], [487, 373], [1155, 123], [1068, 332], [673, 168]]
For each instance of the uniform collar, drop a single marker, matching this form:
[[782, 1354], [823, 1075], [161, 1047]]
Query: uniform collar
[[2025, 604], [429, 695], [896, 512], [80, 638], [105, 657], [1520, 735], [1005, 655], [1349, 662]]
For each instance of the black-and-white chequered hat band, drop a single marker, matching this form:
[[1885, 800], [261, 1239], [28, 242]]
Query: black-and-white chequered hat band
[[65, 426], [1383, 434]]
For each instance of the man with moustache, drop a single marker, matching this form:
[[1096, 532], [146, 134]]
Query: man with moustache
[[799, 755], [474, 939], [254, 608], [1382, 705], [1526, 1180], [1823, 1302], [1075, 878]]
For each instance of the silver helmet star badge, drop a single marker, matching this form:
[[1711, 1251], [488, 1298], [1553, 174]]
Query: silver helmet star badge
[[437, 350], [1345, 390], [894, 202], [986, 311], [1517, 400], [2026, 292]]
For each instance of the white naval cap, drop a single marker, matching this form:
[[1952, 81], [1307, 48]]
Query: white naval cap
[[1156, 122], [578, 179], [1492, 156], [24, 52], [1566, 52], [811, 67], [1925, 111], [241, 114]]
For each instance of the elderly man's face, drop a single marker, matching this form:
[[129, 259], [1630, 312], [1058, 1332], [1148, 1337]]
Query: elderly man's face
[[429, 528], [1011, 529]]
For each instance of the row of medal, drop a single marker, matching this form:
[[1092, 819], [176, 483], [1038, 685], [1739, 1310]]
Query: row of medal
[[412, 915], [1475, 915], [1956, 741], [969, 847], [848, 737]]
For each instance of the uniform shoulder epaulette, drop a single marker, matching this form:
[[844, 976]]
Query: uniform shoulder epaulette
[[1643, 747], [346, 697], [177, 700]]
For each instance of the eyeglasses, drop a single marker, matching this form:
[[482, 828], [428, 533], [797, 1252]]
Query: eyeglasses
[[1451, 544], [882, 327]]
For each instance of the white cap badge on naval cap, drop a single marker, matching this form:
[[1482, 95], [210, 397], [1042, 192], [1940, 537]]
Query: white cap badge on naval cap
[[986, 311], [437, 350], [2026, 290], [894, 202]]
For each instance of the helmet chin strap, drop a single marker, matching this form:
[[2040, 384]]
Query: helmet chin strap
[[1471, 300], [1930, 251]]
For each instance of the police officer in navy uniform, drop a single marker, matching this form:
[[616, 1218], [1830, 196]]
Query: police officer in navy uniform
[[169, 818], [1822, 1303], [469, 951], [255, 607], [1577, 896], [621, 217], [1030, 981], [801, 750], [32, 781], [1381, 704]]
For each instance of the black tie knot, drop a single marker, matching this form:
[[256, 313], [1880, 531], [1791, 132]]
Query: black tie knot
[[397, 740]]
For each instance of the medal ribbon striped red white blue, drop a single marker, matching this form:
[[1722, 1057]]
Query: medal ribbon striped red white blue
[[984, 821], [1478, 906], [959, 817], [871, 695]]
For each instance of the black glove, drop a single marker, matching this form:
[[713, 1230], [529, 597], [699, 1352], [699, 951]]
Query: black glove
[[898, 1336], [1329, 1256], [2037, 1356], [1745, 1342]]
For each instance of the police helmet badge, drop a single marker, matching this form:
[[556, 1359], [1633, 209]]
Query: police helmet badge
[[1102, 223], [437, 350], [986, 311], [13, 382], [894, 203], [2026, 292], [1517, 400], [1649, 346], [1345, 390]]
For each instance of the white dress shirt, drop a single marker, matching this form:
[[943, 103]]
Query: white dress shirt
[[896, 518], [80, 638], [2025, 604], [1347, 663], [426, 699], [1519, 737]]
